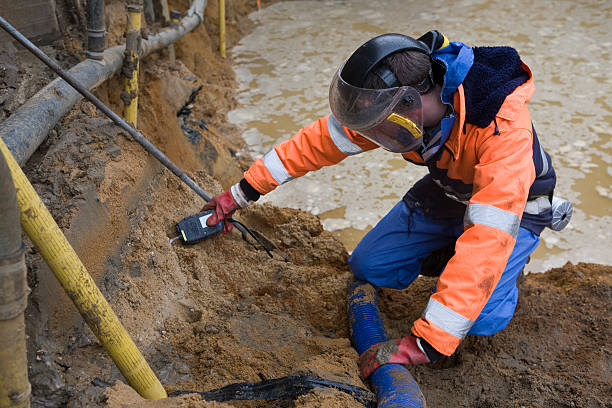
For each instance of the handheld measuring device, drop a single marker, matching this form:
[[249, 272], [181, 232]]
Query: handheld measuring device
[[193, 229]]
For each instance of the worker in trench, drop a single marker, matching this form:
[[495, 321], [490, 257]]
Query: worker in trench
[[473, 220]]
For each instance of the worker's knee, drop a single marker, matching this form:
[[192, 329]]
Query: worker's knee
[[496, 314], [361, 265], [381, 271]]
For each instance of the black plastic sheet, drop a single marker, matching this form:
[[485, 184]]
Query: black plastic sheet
[[281, 388]]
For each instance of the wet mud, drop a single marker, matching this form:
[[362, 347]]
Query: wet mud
[[222, 311]]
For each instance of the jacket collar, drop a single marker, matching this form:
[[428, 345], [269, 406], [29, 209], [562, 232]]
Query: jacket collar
[[509, 110], [456, 59], [523, 93]]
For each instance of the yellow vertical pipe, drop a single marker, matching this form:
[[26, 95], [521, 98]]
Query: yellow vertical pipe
[[131, 64], [222, 28], [79, 285], [174, 21]]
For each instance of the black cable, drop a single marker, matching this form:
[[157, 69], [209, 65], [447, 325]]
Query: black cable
[[246, 229]]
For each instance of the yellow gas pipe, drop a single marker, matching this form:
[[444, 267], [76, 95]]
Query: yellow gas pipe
[[80, 287], [222, 28], [174, 22], [131, 63]]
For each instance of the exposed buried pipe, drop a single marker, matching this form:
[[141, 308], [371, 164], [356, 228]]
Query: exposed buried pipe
[[14, 385], [174, 20], [96, 30], [393, 383], [222, 28], [144, 142], [79, 285], [10, 230], [162, 6], [28, 126]]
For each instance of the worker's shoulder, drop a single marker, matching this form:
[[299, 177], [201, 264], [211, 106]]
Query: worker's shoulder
[[514, 108]]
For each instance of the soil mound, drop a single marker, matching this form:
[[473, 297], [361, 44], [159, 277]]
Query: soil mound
[[554, 353]]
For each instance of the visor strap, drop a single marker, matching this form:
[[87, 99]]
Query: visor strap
[[385, 74], [389, 78]]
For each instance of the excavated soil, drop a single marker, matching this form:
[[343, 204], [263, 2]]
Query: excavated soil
[[222, 311]]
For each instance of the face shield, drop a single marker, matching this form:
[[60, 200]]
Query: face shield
[[390, 117]]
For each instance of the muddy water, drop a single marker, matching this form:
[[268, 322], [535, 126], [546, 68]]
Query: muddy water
[[285, 65]]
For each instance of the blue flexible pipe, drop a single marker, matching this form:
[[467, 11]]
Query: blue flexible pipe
[[393, 383]]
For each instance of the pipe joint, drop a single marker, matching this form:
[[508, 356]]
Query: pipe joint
[[96, 33], [200, 18], [96, 30], [197, 8], [14, 288], [14, 257], [94, 55], [133, 44]]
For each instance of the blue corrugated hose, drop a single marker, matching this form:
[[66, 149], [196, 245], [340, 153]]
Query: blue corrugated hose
[[393, 383]]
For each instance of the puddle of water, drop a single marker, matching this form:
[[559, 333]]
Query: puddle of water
[[284, 68]]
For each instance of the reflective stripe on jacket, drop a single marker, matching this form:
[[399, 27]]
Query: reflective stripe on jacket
[[496, 162]]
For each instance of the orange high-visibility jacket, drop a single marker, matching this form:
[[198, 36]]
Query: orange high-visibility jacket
[[496, 160]]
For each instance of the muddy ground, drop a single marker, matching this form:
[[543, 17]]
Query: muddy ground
[[222, 311]]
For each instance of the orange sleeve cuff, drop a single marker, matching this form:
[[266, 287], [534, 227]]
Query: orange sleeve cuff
[[260, 178], [442, 341]]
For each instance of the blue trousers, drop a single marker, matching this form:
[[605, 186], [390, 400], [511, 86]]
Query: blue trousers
[[391, 255]]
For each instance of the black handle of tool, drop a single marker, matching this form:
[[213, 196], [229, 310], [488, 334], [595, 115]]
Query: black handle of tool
[[163, 159]]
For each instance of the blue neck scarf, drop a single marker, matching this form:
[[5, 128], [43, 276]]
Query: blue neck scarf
[[457, 59]]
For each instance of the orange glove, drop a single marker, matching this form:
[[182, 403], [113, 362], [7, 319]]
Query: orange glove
[[224, 206], [400, 351]]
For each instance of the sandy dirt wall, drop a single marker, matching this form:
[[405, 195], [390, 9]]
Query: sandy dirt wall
[[97, 183]]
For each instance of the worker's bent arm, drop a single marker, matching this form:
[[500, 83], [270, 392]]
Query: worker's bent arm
[[322, 143]]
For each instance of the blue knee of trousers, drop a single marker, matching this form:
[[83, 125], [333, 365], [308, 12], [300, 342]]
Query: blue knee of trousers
[[496, 317], [378, 272], [391, 254], [356, 261], [363, 267]]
